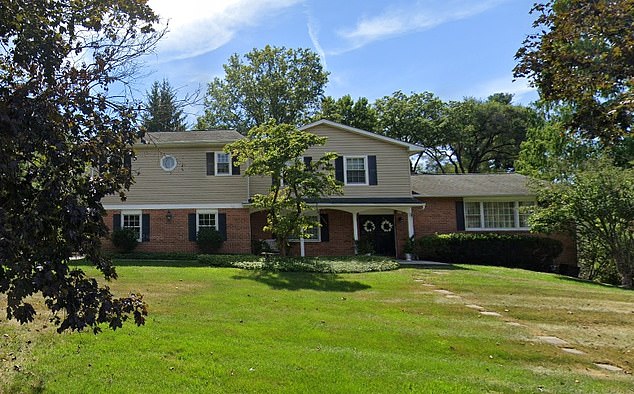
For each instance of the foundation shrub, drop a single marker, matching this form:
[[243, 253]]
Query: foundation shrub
[[506, 250]]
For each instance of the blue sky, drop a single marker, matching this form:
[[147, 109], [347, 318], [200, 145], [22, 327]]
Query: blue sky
[[453, 48]]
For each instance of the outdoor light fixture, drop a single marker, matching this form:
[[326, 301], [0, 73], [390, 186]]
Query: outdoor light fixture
[[169, 216]]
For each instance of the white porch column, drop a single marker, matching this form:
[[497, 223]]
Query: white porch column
[[302, 250], [410, 223], [355, 230], [355, 226]]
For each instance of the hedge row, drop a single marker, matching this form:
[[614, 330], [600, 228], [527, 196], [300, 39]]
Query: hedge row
[[506, 250]]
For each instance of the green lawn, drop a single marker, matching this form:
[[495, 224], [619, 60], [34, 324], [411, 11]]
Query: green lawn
[[230, 330]]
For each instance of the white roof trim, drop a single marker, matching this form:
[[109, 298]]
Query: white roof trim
[[410, 147], [170, 206]]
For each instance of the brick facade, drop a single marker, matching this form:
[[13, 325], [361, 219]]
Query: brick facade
[[341, 237], [439, 216], [173, 235]]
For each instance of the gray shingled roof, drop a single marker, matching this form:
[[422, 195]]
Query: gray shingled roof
[[470, 185], [193, 137]]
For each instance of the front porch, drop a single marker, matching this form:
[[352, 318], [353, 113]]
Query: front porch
[[353, 226]]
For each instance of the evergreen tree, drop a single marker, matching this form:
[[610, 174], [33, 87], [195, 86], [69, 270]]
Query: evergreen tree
[[163, 112]]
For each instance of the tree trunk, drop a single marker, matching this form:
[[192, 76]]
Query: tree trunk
[[626, 271]]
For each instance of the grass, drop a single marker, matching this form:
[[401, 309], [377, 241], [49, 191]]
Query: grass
[[231, 330]]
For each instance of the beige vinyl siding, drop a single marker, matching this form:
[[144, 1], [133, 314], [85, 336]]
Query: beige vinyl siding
[[187, 184], [259, 184], [392, 163]]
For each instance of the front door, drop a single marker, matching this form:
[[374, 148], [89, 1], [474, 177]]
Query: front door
[[377, 234]]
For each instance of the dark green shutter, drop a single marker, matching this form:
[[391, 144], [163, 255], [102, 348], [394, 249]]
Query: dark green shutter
[[307, 160], [372, 171], [460, 216], [127, 162], [235, 168], [222, 225], [191, 225], [339, 168], [325, 231], [116, 222], [210, 163], [145, 227]]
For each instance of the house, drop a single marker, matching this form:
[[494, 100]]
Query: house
[[184, 182], [478, 203]]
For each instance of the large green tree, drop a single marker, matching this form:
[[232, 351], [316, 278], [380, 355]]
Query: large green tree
[[162, 111], [582, 56], [483, 136], [64, 143], [277, 151], [550, 151], [285, 85], [597, 205], [360, 114], [415, 119]]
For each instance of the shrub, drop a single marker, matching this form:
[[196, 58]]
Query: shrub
[[365, 247], [209, 240], [507, 250], [258, 246], [124, 239]]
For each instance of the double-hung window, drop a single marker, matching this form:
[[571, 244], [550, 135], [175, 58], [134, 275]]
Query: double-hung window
[[223, 163], [132, 220], [497, 215], [356, 170], [206, 219]]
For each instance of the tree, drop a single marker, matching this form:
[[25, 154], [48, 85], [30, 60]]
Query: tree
[[276, 151], [596, 204], [550, 152], [63, 147], [285, 85], [415, 119], [582, 56], [483, 136], [163, 113], [345, 110]]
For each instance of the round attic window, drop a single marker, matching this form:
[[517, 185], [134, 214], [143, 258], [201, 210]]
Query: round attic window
[[168, 163]]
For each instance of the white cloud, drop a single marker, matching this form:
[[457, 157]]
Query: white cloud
[[313, 32], [522, 92], [422, 15], [197, 27]]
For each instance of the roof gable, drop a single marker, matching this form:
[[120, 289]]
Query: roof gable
[[410, 147]]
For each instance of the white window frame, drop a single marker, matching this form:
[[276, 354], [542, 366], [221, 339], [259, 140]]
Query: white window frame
[[365, 167], [138, 213], [216, 162], [516, 214], [166, 168], [206, 212], [315, 240]]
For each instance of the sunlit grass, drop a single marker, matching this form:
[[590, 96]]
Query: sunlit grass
[[230, 330]]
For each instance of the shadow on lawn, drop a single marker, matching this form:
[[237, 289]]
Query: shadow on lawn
[[593, 283], [144, 263], [303, 280]]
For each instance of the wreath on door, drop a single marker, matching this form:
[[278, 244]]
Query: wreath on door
[[369, 226], [386, 226]]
